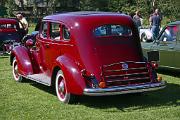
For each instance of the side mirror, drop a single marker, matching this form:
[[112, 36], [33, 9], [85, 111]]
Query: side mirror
[[29, 43], [153, 56]]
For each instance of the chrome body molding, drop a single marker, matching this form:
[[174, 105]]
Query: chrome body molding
[[124, 89], [123, 63]]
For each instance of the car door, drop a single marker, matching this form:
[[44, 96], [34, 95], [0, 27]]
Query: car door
[[43, 47], [166, 47], [55, 46], [51, 46], [176, 59]]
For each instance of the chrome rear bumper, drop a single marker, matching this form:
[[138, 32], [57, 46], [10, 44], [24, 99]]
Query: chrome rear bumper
[[124, 90]]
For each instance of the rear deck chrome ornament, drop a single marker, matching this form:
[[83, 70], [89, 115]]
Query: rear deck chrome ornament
[[125, 66]]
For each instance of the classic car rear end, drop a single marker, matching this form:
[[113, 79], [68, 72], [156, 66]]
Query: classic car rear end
[[119, 65], [87, 53]]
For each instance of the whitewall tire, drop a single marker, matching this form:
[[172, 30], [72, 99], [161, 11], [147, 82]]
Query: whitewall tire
[[16, 74], [61, 89]]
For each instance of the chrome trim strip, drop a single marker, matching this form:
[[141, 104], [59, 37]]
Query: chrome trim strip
[[110, 81], [143, 73], [122, 63], [140, 68], [124, 90]]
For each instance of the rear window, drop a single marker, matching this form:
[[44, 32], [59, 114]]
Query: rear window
[[112, 30], [7, 26]]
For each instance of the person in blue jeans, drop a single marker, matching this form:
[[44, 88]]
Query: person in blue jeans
[[137, 19], [155, 23]]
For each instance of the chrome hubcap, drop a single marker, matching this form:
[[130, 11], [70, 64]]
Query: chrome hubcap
[[16, 71], [61, 87]]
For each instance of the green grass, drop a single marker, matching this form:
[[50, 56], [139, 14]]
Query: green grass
[[31, 101], [31, 27]]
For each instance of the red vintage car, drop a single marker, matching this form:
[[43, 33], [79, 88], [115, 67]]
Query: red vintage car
[[10, 34], [87, 53]]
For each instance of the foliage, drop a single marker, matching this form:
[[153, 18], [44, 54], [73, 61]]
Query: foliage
[[11, 6], [3, 11], [169, 8]]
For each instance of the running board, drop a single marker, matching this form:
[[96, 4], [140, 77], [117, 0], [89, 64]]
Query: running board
[[40, 78]]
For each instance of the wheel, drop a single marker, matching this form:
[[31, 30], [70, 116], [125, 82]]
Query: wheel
[[16, 74], [143, 37], [61, 89]]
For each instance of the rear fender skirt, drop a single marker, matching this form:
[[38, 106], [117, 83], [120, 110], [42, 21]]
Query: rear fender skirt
[[23, 59], [75, 83]]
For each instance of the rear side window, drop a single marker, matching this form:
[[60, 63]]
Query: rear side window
[[6, 26], [66, 33], [112, 30]]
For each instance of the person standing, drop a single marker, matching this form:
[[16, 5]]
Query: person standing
[[155, 23], [138, 20], [23, 24]]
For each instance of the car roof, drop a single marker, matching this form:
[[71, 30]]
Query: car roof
[[8, 21], [85, 16], [174, 23], [82, 13]]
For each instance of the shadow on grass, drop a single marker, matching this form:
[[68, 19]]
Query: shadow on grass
[[168, 96], [4, 57], [45, 88], [165, 97], [170, 72]]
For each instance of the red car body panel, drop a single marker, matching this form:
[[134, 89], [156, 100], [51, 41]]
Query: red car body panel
[[75, 83], [85, 52], [25, 64], [8, 21]]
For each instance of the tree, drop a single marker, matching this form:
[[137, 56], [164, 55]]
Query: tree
[[3, 8], [11, 6], [169, 8]]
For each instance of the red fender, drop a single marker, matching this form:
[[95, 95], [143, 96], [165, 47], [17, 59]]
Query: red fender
[[74, 81], [24, 62]]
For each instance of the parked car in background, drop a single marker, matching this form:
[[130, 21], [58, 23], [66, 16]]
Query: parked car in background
[[146, 35], [9, 34], [86, 53], [168, 44]]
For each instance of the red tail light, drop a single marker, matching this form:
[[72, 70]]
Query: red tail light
[[154, 65]]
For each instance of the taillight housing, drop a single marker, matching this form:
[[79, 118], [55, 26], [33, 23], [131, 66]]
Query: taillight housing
[[154, 65], [90, 78], [152, 73]]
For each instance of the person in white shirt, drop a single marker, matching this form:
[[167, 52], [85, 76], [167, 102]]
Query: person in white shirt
[[23, 24]]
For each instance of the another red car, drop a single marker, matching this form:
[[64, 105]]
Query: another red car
[[9, 34], [86, 53]]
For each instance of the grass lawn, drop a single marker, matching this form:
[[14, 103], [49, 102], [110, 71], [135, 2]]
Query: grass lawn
[[32, 101], [31, 28]]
